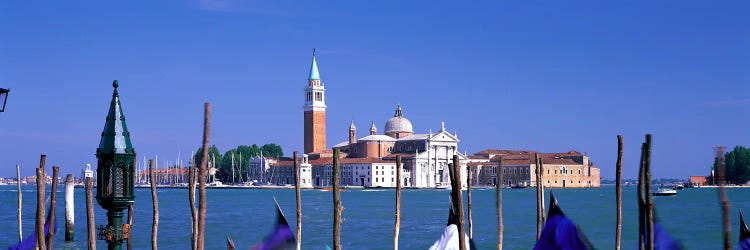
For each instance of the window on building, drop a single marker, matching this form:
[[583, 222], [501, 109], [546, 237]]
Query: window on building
[[547, 171], [318, 96], [391, 179], [309, 96]]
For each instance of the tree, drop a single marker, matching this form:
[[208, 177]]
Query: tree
[[738, 165], [213, 154], [242, 155], [272, 150]]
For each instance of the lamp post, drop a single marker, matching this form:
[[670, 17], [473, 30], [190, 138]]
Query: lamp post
[[3, 98], [115, 174]]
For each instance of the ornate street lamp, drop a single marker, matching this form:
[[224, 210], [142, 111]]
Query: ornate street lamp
[[3, 98], [115, 174]]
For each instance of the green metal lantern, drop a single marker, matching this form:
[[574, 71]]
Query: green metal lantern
[[115, 173]]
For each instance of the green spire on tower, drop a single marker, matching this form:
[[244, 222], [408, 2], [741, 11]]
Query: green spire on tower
[[115, 137], [314, 75]]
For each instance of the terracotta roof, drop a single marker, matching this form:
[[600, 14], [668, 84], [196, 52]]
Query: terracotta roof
[[329, 161], [504, 152]]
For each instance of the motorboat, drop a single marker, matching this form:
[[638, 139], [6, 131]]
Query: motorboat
[[665, 192]]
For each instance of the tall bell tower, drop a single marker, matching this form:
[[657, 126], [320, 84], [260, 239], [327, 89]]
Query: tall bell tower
[[315, 111]]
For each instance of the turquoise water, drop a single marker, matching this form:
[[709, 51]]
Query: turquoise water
[[693, 216]]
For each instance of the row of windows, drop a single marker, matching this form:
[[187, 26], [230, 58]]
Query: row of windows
[[382, 180], [318, 96], [383, 172]]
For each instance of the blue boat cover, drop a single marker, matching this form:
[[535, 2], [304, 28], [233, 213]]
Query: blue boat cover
[[30, 242], [744, 235], [281, 238], [560, 232]]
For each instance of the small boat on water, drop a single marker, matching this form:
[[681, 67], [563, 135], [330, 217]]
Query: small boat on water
[[450, 238], [665, 192], [560, 232], [678, 187], [744, 235]]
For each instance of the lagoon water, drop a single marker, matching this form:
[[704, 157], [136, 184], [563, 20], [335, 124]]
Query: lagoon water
[[693, 216]]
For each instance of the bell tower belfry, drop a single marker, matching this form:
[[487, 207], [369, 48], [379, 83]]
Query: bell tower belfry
[[315, 111]]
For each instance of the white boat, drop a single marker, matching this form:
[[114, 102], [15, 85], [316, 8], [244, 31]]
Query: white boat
[[665, 192], [216, 184]]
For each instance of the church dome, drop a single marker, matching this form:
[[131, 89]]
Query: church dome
[[398, 123]]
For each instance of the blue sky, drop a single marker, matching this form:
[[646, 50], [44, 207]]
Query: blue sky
[[548, 76]]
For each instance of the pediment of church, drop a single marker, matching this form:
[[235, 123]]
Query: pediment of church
[[444, 136]]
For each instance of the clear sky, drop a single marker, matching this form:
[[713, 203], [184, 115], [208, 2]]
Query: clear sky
[[547, 76]]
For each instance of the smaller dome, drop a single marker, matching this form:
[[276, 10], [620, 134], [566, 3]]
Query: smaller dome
[[398, 123]]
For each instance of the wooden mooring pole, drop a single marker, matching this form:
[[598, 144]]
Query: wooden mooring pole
[[649, 198], [69, 208], [499, 202], [642, 200], [397, 226], [618, 192], [539, 195], [723, 200], [468, 200], [202, 178], [298, 195], [192, 171], [53, 208], [336, 202], [20, 203], [454, 169], [91, 228], [40, 188], [155, 224]]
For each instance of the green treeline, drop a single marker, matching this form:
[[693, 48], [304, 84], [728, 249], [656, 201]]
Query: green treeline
[[241, 155], [737, 165]]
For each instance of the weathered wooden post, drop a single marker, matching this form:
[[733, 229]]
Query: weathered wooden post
[[398, 203], [20, 202], [649, 198], [539, 196], [468, 200], [618, 192], [202, 178], [193, 211], [336, 202], [53, 208], [542, 201], [298, 195], [642, 200], [499, 202], [40, 188], [155, 225], [723, 201], [89, 188], [69, 207], [454, 169]]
